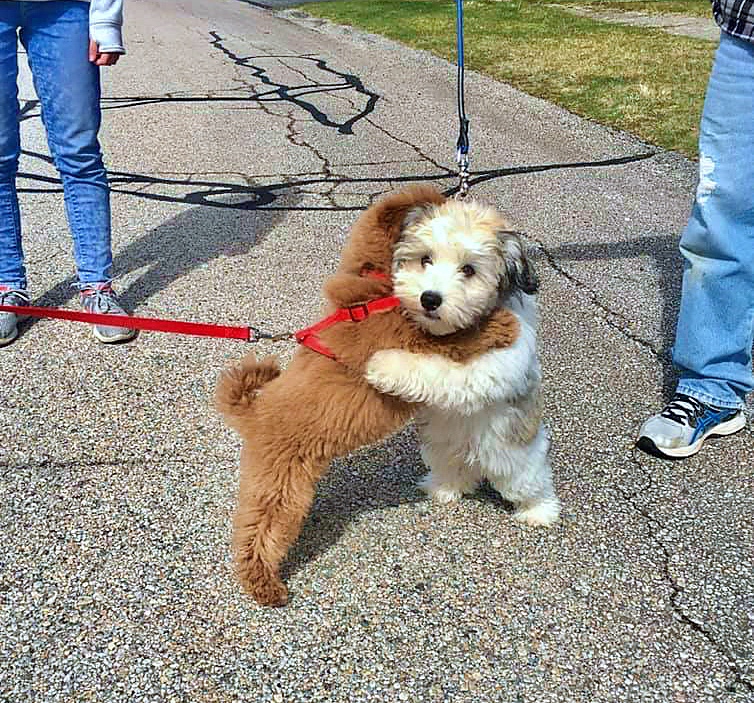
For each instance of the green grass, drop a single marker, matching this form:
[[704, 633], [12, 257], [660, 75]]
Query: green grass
[[640, 80]]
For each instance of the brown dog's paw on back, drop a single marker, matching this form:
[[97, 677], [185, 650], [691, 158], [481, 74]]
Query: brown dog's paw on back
[[239, 385], [500, 330]]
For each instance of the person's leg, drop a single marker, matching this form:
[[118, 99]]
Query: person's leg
[[56, 37], [715, 330], [12, 273]]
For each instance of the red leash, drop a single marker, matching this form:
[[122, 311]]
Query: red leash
[[308, 336], [248, 334]]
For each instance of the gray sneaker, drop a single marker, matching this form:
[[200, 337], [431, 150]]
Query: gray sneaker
[[9, 320], [683, 425], [102, 299]]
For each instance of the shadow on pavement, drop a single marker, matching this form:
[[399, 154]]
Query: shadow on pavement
[[183, 243], [377, 478], [668, 266], [363, 486]]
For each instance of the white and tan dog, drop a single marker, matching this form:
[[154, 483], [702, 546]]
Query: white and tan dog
[[454, 264]]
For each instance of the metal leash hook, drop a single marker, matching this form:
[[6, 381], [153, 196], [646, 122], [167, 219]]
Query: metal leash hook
[[462, 145], [463, 174], [257, 334]]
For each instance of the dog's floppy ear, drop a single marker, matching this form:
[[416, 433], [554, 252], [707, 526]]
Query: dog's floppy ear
[[373, 236], [519, 271], [396, 211]]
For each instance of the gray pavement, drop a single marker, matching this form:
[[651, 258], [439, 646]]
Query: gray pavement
[[241, 146], [673, 23]]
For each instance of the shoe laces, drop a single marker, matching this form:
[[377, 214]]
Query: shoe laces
[[12, 296], [102, 298], [684, 410]]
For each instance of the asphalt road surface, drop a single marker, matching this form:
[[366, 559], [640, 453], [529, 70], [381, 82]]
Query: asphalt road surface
[[241, 146]]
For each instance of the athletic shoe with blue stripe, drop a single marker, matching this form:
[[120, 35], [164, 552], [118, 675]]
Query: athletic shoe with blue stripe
[[683, 425]]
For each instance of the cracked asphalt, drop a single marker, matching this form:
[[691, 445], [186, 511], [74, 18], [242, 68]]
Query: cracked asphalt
[[241, 146]]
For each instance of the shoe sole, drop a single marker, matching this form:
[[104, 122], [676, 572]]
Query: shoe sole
[[114, 339], [5, 341], [724, 429]]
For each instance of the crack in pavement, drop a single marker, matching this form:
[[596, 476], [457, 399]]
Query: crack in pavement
[[296, 138], [293, 135], [450, 172], [655, 528], [609, 315], [291, 94]]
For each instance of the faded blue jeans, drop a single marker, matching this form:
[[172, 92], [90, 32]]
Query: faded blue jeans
[[55, 35], [715, 332]]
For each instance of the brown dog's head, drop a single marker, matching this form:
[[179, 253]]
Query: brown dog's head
[[373, 236]]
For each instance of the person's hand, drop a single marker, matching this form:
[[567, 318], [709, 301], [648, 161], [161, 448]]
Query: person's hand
[[101, 58]]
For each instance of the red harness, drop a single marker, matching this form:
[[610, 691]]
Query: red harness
[[355, 313], [309, 337]]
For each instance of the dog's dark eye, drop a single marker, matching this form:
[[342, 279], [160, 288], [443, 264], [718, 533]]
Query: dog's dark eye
[[468, 270], [426, 261]]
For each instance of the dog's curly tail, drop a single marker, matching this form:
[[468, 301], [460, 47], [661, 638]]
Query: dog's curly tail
[[239, 385]]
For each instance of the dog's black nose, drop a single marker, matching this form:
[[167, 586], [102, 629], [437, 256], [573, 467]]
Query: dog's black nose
[[430, 300]]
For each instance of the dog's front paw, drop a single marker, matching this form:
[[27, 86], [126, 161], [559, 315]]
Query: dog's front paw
[[385, 369], [543, 513]]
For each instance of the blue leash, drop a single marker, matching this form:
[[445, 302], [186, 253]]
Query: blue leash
[[462, 145]]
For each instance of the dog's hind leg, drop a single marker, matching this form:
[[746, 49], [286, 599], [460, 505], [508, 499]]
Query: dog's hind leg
[[522, 475], [273, 502]]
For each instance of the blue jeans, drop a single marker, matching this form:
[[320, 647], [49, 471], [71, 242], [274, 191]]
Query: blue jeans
[[715, 332], [55, 35]]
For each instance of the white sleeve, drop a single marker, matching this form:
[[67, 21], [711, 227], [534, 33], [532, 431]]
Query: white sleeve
[[105, 25]]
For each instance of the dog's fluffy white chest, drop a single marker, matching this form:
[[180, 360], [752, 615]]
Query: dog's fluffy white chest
[[497, 405], [473, 405]]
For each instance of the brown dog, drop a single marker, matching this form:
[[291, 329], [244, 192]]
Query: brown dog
[[294, 424]]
